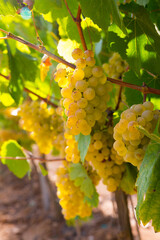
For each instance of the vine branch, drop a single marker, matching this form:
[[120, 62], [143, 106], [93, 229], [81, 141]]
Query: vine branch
[[144, 89], [77, 20], [29, 91], [33, 158], [43, 99], [40, 49]]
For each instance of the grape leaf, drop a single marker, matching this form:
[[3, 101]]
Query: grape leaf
[[79, 175], [6, 99], [113, 38], [100, 11], [8, 7], [132, 96], [47, 5], [16, 83], [144, 42], [92, 201], [152, 7], [129, 179], [23, 67], [83, 144], [151, 81], [68, 29], [12, 149], [148, 185], [56, 7]]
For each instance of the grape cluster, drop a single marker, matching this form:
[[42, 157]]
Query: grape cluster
[[71, 197], [108, 164], [115, 67], [130, 142], [44, 124], [84, 91]]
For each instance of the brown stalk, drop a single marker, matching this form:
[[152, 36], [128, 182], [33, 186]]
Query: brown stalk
[[40, 49], [144, 89], [29, 91], [77, 20], [33, 158]]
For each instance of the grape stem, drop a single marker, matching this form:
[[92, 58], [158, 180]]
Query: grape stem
[[34, 158], [77, 20], [40, 49], [144, 89], [43, 99], [29, 91]]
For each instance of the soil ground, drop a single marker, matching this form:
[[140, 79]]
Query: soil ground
[[22, 214]]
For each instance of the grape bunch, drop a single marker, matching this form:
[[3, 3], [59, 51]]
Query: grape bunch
[[71, 197], [85, 92], [130, 142], [108, 164], [44, 124], [116, 66]]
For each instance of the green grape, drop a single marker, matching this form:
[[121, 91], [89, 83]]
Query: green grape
[[41, 121], [130, 142], [85, 92], [71, 196]]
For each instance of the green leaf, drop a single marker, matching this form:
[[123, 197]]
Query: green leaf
[[6, 99], [8, 7], [16, 83], [148, 184], [79, 175], [92, 201], [56, 7], [12, 149], [129, 179], [151, 81], [115, 35], [152, 136], [144, 41], [23, 67], [83, 144], [132, 96], [43, 170], [100, 11], [47, 5]]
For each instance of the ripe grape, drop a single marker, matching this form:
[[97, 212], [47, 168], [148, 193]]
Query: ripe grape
[[130, 142], [85, 92]]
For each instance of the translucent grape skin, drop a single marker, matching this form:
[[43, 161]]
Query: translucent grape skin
[[128, 136]]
